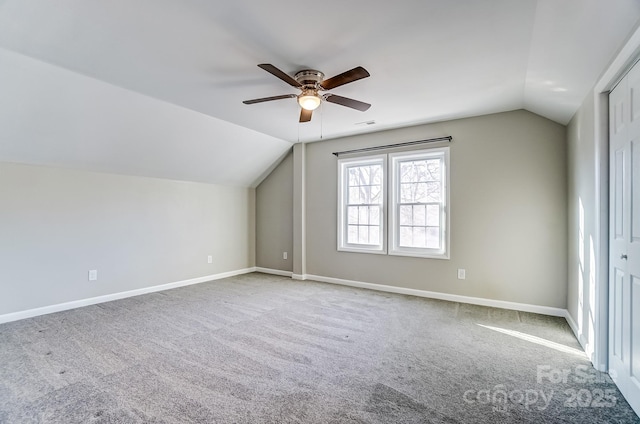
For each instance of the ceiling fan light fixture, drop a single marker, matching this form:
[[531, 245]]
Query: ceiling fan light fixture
[[309, 100], [310, 82]]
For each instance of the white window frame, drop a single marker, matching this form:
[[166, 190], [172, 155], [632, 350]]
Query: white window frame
[[389, 234], [394, 191], [343, 180]]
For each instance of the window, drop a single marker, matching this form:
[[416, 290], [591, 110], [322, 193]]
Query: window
[[361, 202], [418, 193]]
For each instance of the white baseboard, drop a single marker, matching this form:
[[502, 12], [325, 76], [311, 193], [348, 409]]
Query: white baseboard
[[574, 327], [15, 316], [274, 271], [584, 342], [544, 310], [576, 331], [524, 307]]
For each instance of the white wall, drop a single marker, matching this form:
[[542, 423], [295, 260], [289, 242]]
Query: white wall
[[138, 232], [52, 116], [583, 222], [56, 224]]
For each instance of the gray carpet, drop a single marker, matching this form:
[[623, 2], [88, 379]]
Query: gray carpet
[[264, 349]]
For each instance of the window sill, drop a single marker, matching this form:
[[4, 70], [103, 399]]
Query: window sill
[[423, 255], [357, 250]]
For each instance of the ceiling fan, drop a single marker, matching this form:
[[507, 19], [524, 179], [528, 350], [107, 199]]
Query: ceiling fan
[[311, 82]]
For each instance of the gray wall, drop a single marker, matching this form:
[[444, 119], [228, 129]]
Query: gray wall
[[508, 212], [57, 224], [274, 218]]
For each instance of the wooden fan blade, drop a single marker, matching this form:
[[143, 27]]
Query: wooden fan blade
[[345, 101], [268, 99], [345, 78], [305, 115], [280, 74]]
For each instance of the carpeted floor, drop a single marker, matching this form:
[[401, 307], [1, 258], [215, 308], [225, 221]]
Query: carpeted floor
[[264, 349]]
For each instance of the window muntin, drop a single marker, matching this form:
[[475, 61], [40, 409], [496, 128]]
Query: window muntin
[[361, 206], [418, 206]]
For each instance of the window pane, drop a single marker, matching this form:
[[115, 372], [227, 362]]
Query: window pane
[[354, 196], [376, 177], [352, 234], [353, 177], [363, 234], [374, 234], [374, 215], [352, 215], [363, 174], [407, 173], [420, 171], [376, 194], [419, 215], [420, 192], [363, 213], [433, 192], [371, 173], [406, 215], [405, 237], [433, 215], [433, 238], [365, 194], [433, 170], [407, 193], [419, 237]]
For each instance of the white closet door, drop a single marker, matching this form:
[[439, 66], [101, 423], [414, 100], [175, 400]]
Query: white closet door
[[624, 237]]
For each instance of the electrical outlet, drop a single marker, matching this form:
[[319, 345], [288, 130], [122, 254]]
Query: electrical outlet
[[284, 255], [93, 275], [462, 273], [209, 259]]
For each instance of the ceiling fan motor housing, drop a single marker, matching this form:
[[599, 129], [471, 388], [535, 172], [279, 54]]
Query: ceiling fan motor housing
[[309, 78]]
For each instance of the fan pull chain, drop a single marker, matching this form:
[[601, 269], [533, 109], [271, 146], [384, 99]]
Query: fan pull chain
[[321, 118]]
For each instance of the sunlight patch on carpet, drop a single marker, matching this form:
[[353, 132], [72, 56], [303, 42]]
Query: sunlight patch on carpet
[[537, 340]]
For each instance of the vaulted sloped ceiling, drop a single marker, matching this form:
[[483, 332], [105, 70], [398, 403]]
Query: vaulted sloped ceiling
[[155, 87]]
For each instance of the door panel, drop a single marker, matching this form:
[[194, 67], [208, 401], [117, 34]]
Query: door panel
[[635, 331], [617, 318], [635, 191], [618, 117], [619, 194], [634, 105]]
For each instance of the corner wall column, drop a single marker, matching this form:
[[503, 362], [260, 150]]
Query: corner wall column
[[299, 213]]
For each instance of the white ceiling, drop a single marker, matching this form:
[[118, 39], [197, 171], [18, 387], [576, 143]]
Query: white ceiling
[[429, 60]]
